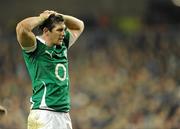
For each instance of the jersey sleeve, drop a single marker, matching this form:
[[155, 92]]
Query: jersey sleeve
[[30, 49], [34, 51]]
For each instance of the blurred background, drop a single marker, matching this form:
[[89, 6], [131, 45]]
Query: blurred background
[[124, 68]]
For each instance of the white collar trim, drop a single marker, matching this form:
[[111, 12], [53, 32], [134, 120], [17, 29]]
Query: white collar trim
[[40, 39]]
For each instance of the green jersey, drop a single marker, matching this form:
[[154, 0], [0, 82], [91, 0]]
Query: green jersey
[[48, 70]]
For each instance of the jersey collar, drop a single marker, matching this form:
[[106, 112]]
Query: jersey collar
[[40, 39]]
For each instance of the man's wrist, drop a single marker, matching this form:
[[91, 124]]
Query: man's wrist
[[42, 18]]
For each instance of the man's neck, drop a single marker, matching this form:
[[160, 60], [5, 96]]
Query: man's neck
[[47, 41]]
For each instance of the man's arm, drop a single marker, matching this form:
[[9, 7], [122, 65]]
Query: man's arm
[[25, 36], [75, 26]]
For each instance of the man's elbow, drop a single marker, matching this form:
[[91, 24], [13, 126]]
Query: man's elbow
[[81, 26], [22, 28], [19, 28]]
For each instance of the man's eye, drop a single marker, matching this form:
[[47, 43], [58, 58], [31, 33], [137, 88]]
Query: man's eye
[[60, 30]]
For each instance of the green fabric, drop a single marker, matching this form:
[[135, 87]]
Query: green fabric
[[48, 70]]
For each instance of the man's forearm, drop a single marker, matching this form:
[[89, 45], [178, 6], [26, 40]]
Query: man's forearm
[[73, 23], [31, 22]]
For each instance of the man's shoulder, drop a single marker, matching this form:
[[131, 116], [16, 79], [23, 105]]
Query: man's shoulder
[[39, 49]]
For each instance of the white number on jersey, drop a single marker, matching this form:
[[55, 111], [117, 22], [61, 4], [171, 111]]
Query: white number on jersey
[[58, 66]]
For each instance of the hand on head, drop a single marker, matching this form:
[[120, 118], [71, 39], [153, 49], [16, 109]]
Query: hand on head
[[44, 15]]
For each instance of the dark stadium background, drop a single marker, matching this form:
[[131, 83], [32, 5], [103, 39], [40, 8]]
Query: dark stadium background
[[124, 68]]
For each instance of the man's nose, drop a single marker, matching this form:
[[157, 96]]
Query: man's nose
[[63, 33]]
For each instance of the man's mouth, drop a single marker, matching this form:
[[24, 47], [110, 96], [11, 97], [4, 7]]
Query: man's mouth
[[61, 39]]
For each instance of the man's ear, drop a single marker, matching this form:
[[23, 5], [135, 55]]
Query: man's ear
[[45, 30]]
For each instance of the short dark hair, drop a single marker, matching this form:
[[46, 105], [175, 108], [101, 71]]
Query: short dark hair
[[51, 21]]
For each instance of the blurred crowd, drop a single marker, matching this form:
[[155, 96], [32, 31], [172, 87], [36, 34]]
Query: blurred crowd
[[118, 80]]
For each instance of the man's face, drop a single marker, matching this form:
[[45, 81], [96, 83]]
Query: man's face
[[56, 35]]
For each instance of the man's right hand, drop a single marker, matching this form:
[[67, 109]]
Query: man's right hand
[[46, 14]]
